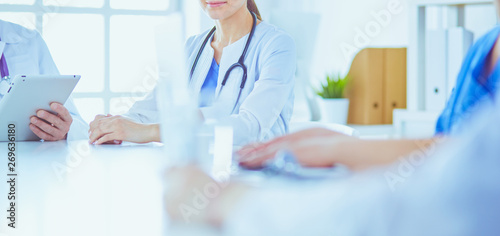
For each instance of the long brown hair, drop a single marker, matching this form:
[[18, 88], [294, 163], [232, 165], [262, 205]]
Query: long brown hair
[[252, 7]]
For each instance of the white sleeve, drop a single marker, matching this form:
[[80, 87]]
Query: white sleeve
[[79, 128], [146, 110], [263, 106]]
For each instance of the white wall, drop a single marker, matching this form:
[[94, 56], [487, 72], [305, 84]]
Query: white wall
[[341, 19], [340, 22], [478, 18]]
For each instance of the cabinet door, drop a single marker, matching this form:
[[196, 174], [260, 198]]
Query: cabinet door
[[394, 82], [365, 92], [436, 51]]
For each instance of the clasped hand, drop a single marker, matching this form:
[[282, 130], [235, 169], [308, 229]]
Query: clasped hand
[[108, 129]]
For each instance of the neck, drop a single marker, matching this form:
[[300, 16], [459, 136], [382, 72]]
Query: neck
[[230, 30], [492, 59]]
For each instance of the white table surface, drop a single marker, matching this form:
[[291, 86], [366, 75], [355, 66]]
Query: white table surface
[[72, 188]]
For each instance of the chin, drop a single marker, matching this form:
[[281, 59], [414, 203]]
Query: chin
[[217, 14]]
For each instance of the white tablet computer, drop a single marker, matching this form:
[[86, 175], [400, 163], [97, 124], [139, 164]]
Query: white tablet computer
[[26, 96]]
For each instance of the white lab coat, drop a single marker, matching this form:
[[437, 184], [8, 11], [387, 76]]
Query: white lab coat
[[26, 53], [266, 104]]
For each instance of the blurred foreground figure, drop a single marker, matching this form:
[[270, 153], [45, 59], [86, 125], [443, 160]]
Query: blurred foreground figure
[[451, 189]]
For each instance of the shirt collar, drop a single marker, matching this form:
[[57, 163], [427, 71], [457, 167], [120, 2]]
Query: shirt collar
[[11, 33]]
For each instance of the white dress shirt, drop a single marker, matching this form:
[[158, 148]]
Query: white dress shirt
[[27, 54]]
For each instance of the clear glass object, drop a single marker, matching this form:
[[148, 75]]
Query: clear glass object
[[223, 151], [180, 117], [215, 149]]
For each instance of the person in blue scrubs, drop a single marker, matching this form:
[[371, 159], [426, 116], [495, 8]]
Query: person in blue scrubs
[[207, 93], [477, 85]]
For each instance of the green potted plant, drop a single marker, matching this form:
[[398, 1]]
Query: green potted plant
[[334, 105]]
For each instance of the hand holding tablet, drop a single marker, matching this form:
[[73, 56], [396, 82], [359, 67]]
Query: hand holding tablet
[[51, 126], [33, 104]]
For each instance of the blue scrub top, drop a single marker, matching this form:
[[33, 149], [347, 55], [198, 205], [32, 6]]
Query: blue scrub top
[[207, 93], [473, 87]]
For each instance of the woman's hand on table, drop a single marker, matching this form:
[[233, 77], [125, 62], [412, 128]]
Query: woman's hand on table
[[116, 129]]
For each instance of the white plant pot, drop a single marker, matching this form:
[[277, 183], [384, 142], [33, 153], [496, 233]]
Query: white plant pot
[[334, 110]]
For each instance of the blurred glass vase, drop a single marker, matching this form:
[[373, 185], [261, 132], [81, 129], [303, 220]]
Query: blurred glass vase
[[179, 113], [180, 121]]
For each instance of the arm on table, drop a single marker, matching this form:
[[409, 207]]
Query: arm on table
[[325, 148]]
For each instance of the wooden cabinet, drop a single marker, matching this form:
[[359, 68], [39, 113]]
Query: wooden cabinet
[[378, 85]]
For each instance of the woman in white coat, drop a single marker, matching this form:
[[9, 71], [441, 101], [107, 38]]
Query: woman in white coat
[[24, 52], [259, 111]]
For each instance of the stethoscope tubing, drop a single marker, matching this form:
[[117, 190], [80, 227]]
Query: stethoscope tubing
[[239, 64]]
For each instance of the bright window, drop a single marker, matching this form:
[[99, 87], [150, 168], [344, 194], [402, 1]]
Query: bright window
[[142, 4], [75, 3], [133, 53], [26, 19], [87, 60], [27, 2], [111, 43]]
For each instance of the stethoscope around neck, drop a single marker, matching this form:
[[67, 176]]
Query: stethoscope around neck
[[239, 64]]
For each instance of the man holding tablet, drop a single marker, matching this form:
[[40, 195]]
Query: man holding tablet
[[24, 52]]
